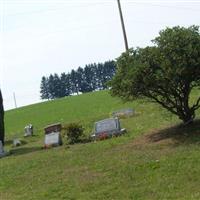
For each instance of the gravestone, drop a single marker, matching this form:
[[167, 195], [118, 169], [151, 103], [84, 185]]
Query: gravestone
[[127, 112], [2, 152], [28, 130], [107, 128], [53, 135], [16, 142]]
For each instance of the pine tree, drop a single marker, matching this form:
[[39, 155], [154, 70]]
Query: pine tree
[[74, 82], [44, 90], [51, 87], [89, 76], [58, 88], [65, 86]]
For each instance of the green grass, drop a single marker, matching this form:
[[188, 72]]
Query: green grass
[[154, 160]]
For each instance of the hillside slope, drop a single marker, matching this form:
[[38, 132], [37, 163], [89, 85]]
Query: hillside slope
[[154, 160]]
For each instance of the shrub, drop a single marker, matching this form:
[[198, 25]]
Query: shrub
[[74, 132]]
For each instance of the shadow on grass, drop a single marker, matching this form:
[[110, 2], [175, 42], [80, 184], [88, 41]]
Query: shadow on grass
[[8, 142], [24, 150], [181, 134]]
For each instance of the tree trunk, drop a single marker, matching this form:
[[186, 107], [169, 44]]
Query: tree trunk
[[188, 117], [1, 119]]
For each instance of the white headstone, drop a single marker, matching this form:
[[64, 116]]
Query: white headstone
[[1, 148], [28, 130], [53, 139], [16, 142], [2, 152]]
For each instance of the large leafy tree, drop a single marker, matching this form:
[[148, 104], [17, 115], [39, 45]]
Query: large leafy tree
[[1, 119], [164, 73]]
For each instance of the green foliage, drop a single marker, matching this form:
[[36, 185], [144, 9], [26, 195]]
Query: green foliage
[[165, 73], [74, 132], [90, 78]]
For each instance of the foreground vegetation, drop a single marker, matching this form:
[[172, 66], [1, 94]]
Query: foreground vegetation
[[156, 159]]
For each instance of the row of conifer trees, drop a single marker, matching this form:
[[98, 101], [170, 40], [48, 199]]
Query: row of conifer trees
[[90, 78]]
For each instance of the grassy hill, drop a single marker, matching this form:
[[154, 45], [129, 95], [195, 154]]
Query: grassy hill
[[156, 159]]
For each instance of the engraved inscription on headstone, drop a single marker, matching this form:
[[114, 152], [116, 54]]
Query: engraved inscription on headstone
[[52, 135], [52, 139], [106, 125], [107, 128]]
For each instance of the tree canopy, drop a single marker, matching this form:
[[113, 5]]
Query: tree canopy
[[164, 73], [90, 78]]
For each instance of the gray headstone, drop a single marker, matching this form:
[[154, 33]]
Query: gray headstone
[[52, 139], [1, 148], [28, 130], [127, 112], [2, 152], [107, 128], [106, 125], [16, 142]]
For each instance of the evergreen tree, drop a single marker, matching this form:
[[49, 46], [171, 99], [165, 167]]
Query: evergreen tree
[[44, 90], [65, 85], [74, 82], [89, 75], [58, 87], [90, 78], [109, 70], [68, 85], [100, 77], [51, 86], [80, 79]]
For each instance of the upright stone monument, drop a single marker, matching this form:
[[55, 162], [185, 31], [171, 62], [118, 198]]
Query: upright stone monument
[[52, 135], [28, 130], [16, 142], [2, 152], [107, 128]]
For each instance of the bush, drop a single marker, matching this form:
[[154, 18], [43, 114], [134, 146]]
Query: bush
[[74, 132]]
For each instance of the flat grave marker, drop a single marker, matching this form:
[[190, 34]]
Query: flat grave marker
[[126, 112]]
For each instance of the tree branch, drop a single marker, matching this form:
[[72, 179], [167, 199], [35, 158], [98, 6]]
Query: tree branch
[[196, 106]]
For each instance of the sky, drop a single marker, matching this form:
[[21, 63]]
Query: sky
[[43, 37]]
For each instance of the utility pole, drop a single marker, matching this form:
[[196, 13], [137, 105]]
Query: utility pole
[[123, 26], [15, 100]]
